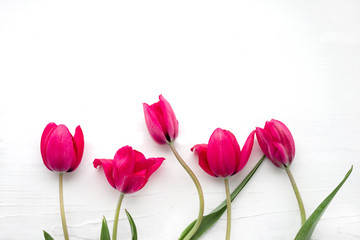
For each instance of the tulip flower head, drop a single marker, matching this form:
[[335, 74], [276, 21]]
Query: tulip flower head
[[60, 151], [129, 171], [222, 156], [161, 121], [277, 143]]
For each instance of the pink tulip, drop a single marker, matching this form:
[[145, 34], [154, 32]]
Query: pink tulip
[[60, 151], [161, 121], [129, 171], [277, 143], [222, 157]]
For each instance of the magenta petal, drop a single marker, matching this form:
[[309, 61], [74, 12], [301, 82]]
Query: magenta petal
[[281, 157], [107, 164], [275, 134], [60, 149], [140, 161], [246, 151], [79, 140], [130, 183], [221, 154], [264, 140], [44, 136], [79, 143], [156, 163], [236, 147], [44, 139], [285, 136], [153, 125], [201, 150], [170, 121], [261, 139], [150, 165], [124, 160]]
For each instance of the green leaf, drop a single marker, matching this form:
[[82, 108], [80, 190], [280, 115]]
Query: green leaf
[[47, 236], [308, 228], [104, 235], [210, 219], [132, 225]]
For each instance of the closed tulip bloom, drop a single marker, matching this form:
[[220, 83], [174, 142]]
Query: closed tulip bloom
[[163, 127], [222, 156], [161, 121], [129, 171], [277, 143], [60, 151]]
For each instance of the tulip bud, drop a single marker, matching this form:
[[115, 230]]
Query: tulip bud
[[60, 151], [129, 171], [277, 143], [222, 156], [161, 121]]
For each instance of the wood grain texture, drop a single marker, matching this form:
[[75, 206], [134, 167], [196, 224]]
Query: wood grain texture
[[226, 64]]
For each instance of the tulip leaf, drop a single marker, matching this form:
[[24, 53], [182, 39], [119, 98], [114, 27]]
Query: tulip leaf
[[132, 226], [210, 219], [47, 236], [105, 234], [308, 228]]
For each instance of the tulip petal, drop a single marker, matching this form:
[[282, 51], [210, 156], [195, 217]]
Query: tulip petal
[[275, 134], [265, 142], [79, 144], [150, 164], [155, 164], [246, 151], [44, 139], [222, 157], [201, 150], [108, 166], [130, 183], [124, 160], [153, 124], [285, 136], [139, 159], [281, 155], [236, 147], [60, 149], [170, 121]]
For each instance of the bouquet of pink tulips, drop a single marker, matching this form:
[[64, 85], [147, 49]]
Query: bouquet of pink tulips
[[221, 157]]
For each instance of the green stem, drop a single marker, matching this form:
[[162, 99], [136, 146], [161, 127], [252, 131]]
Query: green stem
[[297, 194], [62, 209], [199, 189], [116, 218], [228, 209]]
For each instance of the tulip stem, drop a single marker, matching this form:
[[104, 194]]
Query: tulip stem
[[198, 187], [62, 209], [228, 209], [297, 194], [116, 218]]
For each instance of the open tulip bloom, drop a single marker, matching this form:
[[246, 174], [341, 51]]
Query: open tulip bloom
[[222, 157], [278, 145], [61, 152], [163, 127], [128, 172]]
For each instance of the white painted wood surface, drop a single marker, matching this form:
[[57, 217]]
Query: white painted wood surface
[[229, 64]]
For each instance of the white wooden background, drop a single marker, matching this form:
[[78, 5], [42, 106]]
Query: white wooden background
[[229, 64]]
